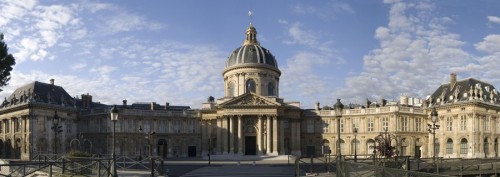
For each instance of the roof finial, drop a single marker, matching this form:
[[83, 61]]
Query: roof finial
[[250, 15]]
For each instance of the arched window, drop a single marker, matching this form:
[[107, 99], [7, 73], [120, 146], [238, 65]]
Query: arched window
[[463, 146], [250, 86], [355, 146], [342, 146], [370, 146], [486, 147], [436, 147], [449, 146], [230, 89], [270, 89]]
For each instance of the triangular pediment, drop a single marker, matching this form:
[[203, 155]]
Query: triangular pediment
[[250, 99]]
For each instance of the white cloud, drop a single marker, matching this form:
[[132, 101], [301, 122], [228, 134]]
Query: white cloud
[[416, 54], [493, 19], [328, 10], [490, 44], [78, 66], [14, 10]]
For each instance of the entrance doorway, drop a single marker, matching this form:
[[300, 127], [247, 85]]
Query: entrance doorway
[[191, 151], [250, 145], [418, 152]]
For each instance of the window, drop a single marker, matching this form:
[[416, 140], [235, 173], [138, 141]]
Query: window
[[355, 146], [1, 126], [463, 122], [177, 126], [370, 124], [370, 145], [449, 124], [404, 123], [68, 126], [250, 86], [385, 123], [486, 123], [341, 125], [355, 124], [463, 146], [17, 124], [7, 126], [286, 124], [230, 89], [418, 124], [310, 126], [325, 123], [449, 146], [270, 89], [436, 148]]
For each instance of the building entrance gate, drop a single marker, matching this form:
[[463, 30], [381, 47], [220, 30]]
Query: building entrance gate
[[250, 145]]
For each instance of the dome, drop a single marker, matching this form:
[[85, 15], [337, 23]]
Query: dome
[[251, 52]]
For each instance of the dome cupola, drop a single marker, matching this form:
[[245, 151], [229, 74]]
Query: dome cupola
[[251, 52], [251, 69]]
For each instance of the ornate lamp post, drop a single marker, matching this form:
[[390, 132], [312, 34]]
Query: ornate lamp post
[[338, 112], [432, 129], [355, 145], [114, 118], [57, 129], [149, 135]]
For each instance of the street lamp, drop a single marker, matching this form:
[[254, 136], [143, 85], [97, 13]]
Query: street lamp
[[432, 129], [114, 118], [338, 112], [57, 129], [150, 149], [355, 145]]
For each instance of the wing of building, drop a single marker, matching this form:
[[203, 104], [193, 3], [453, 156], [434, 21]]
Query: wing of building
[[251, 120]]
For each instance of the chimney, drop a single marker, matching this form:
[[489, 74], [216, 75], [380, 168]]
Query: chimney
[[153, 105], [453, 79], [51, 81], [368, 103], [124, 103], [316, 107], [167, 106], [384, 102]]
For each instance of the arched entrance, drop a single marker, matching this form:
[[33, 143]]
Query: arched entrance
[[250, 138], [162, 148], [17, 149], [8, 149]]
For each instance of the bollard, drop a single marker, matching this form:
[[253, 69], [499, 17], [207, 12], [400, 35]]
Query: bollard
[[50, 169], [63, 166]]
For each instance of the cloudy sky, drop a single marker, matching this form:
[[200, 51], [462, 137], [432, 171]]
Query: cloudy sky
[[175, 51]]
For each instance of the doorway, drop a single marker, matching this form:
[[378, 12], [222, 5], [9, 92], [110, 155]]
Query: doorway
[[191, 151], [250, 145]]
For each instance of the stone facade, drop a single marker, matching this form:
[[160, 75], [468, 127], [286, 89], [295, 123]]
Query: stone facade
[[251, 119]]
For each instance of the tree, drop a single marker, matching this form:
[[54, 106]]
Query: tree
[[6, 63]]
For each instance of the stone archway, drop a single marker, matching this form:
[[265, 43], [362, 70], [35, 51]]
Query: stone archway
[[162, 148], [250, 137]]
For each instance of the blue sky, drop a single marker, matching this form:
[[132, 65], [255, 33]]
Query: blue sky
[[174, 51]]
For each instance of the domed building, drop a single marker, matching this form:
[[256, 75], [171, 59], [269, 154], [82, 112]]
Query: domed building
[[251, 119]]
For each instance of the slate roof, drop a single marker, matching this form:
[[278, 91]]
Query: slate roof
[[40, 92], [251, 53], [463, 89]]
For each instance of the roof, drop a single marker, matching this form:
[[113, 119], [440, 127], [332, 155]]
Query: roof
[[40, 92], [463, 89]]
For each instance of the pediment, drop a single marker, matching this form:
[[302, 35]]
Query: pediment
[[250, 99]]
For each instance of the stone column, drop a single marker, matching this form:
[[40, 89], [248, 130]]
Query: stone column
[[260, 132], [275, 135], [219, 135], [231, 134], [282, 137], [224, 135], [204, 139], [269, 135], [209, 135], [240, 136]]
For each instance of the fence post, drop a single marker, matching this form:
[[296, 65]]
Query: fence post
[[461, 166], [50, 169], [63, 166], [162, 168], [98, 168], [311, 166], [297, 167]]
